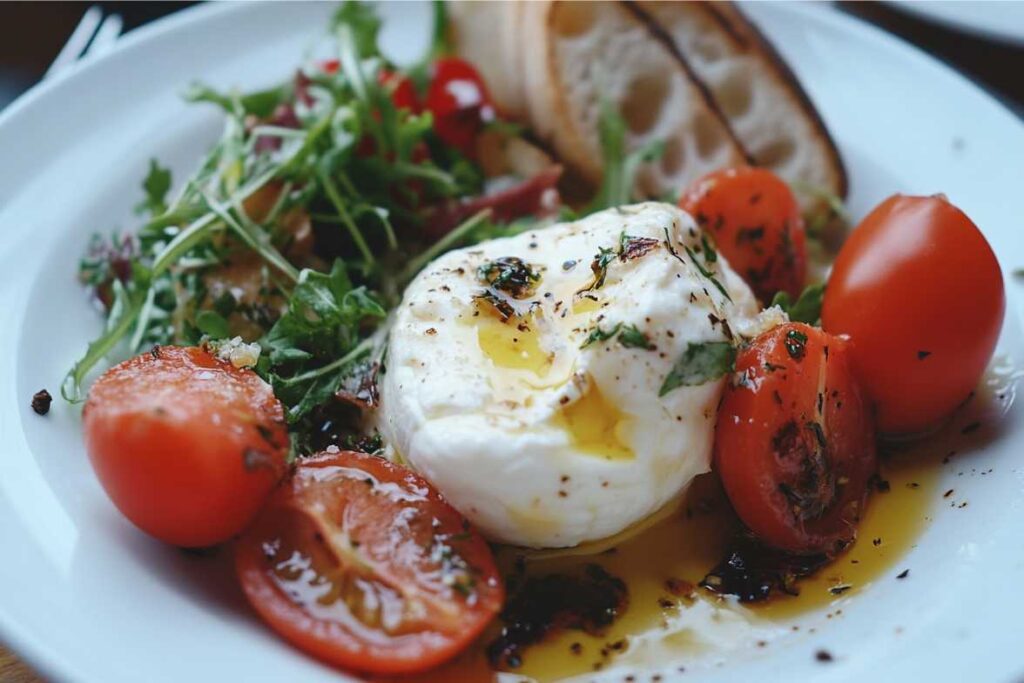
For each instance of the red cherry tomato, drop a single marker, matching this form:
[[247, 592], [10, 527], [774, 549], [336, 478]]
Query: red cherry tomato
[[187, 446], [794, 442], [920, 293], [361, 563], [403, 92], [756, 223], [459, 100]]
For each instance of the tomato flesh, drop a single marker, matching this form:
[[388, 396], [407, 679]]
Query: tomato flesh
[[756, 223], [459, 100], [186, 445], [794, 441], [920, 293], [361, 563]]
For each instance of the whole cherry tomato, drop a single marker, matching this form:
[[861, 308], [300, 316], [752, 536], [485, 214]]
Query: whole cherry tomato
[[756, 223], [920, 294], [795, 442], [459, 100]]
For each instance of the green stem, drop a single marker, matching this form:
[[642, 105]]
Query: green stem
[[361, 348], [442, 245], [268, 252], [346, 219]]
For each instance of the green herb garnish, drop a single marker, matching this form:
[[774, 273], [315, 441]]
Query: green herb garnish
[[511, 275], [807, 308], [699, 364]]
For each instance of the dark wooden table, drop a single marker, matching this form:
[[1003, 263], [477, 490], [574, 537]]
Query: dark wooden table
[[32, 33]]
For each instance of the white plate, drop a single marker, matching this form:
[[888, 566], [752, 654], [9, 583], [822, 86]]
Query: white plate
[[87, 598], [1003, 21]]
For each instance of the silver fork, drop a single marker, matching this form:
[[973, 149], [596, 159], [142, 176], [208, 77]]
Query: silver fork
[[94, 35]]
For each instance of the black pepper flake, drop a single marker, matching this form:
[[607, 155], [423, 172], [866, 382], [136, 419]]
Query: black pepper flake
[[41, 401], [948, 493], [921, 355], [823, 656], [903, 574], [840, 589], [876, 542], [155, 352], [576, 648]]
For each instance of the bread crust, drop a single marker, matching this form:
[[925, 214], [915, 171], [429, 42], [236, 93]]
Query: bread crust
[[673, 23]]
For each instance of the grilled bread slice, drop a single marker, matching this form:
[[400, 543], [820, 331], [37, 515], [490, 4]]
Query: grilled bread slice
[[586, 52], [755, 90], [555, 61]]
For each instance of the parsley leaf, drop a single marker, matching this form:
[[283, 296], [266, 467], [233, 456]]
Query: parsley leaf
[[363, 21], [806, 309], [599, 335], [156, 186], [632, 338], [629, 336], [699, 364]]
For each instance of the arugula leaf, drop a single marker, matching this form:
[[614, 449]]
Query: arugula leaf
[[365, 25], [323, 323], [212, 324], [323, 315], [620, 167], [156, 186], [699, 364], [259, 103], [807, 308], [126, 305]]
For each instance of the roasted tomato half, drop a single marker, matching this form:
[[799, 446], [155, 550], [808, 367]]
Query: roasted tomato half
[[795, 440], [361, 563]]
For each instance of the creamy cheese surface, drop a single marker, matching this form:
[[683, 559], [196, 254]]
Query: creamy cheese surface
[[527, 390]]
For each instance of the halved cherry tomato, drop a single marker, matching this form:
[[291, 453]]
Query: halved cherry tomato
[[795, 442], [361, 563], [920, 293], [756, 223], [459, 100], [186, 445]]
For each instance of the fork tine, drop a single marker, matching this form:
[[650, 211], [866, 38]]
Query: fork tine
[[106, 35], [77, 42]]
